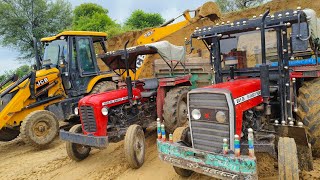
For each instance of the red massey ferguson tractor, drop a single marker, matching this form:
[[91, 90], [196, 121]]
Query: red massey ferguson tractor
[[271, 107], [129, 110]]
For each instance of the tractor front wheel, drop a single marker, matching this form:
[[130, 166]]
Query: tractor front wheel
[[75, 151], [7, 134], [134, 146], [39, 128], [288, 159], [309, 112], [180, 134], [175, 108]]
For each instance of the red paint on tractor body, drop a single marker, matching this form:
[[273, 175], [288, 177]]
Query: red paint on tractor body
[[106, 99], [245, 93]]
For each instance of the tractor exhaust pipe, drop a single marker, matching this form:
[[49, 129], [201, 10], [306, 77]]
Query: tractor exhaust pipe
[[128, 78], [264, 68]]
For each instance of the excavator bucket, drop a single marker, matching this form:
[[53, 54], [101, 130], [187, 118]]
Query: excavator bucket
[[210, 10]]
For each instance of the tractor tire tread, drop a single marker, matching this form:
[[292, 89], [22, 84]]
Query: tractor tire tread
[[103, 86], [170, 107], [309, 111], [70, 146], [129, 144], [27, 124], [287, 159]]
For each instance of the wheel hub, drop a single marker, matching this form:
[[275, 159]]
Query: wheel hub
[[139, 146], [41, 129]]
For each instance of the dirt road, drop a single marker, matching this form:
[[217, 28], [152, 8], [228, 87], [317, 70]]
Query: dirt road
[[19, 161]]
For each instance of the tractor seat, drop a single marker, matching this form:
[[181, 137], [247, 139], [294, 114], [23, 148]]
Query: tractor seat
[[148, 94], [151, 85]]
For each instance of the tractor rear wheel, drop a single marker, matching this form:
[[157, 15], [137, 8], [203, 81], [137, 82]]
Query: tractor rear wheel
[[309, 112], [39, 128], [180, 134], [103, 87], [175, 108], [7, 134], [134, 146], [287, 159], [75, 151]]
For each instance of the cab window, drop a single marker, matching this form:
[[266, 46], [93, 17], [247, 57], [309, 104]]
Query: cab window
[[85, 55]]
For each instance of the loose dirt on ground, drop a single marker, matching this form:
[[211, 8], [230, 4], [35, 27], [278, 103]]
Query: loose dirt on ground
[[19, 161]]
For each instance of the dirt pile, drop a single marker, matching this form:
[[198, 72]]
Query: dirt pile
[[177, 38]]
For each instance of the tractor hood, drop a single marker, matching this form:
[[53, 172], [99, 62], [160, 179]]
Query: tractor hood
[[240, 88], [110, 98]]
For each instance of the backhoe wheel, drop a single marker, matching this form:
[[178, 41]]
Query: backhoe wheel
[[287, 159], [134, 146], [75, 151], [309, 112], [175, 108], [180, 134], [7, 134], [39, 128], [103, 86]]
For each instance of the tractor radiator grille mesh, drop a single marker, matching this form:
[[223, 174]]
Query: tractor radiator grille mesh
[[207, 132], [88, 120]]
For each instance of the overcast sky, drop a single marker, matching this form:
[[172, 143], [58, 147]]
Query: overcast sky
[[119, 10]]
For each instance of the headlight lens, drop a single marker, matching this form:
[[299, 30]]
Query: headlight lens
[[105, 111], [196, 114], [76, 111], [221, 117]]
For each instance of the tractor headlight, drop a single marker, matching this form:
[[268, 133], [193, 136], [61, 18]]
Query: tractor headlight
[[221, 117], [196, 114], [105, 111], [76, 111]]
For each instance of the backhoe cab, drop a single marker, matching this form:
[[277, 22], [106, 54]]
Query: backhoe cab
[[69, 70]]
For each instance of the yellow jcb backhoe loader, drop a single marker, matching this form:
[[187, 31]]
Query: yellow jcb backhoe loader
[[208, 10], [32, 105]]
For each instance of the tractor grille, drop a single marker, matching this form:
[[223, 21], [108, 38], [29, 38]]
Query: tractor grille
[[88, 120], [207, 132]]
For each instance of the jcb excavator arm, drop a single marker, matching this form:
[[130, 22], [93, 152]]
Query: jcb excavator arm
[[209, 9]]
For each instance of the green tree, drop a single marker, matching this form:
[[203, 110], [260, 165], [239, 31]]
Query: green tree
[[225, 5], [139, 20], [21, 20], [20, 71], [234, 5], [92, 17], [243, 4]]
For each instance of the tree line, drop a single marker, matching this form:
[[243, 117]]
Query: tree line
[[21, 20]]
